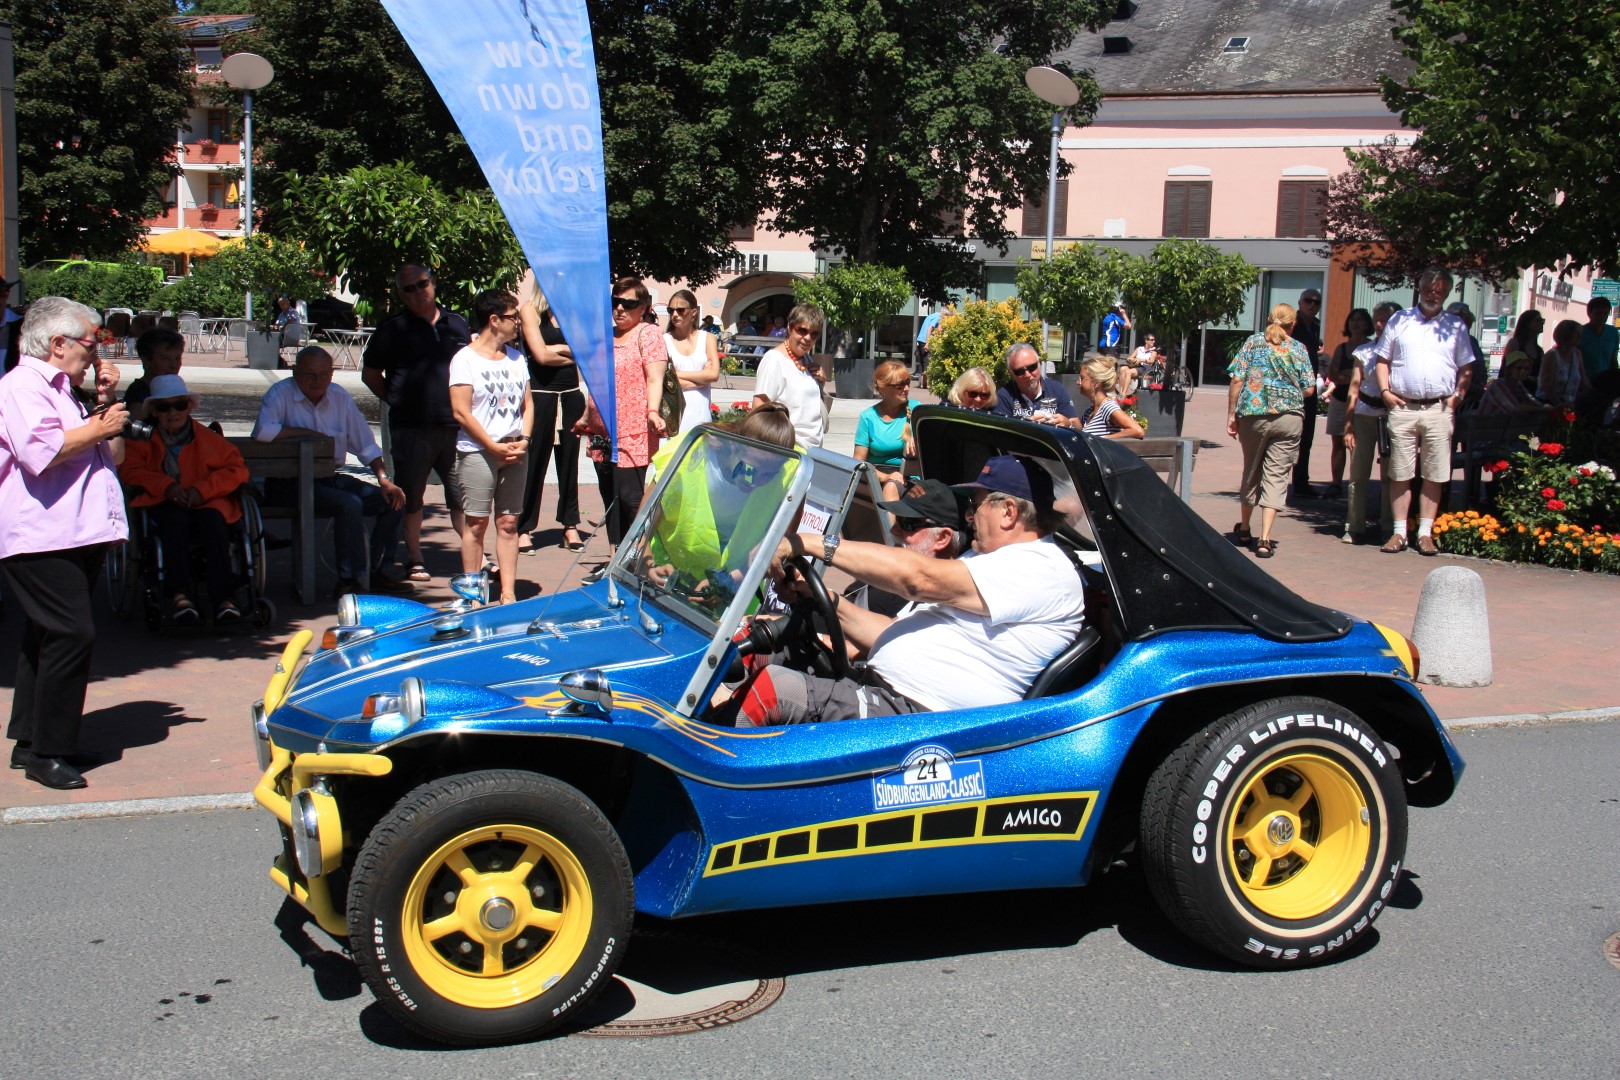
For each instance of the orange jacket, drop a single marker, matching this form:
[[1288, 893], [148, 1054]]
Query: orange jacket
[[209, 463]]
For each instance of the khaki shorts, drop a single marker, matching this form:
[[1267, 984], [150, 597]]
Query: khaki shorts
[[1420, 442], [1337, 411], [485, 484]]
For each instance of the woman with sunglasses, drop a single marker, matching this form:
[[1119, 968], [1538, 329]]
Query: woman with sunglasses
[[639, 360], [1106, 418], [973, 390], [185, 477], [554, 390], [883, 432], [489, 397], [790, 375], [695, 355]]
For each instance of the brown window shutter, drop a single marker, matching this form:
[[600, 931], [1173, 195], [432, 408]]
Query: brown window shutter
[[1034, 223], [1299, 208], [1198, 199], [742, 232], [1175, 208]]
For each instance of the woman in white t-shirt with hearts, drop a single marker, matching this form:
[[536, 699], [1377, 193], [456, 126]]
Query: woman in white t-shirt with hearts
[[489, 395], [695, 355]]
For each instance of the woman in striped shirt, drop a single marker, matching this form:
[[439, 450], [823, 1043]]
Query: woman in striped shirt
[[1106, 418]]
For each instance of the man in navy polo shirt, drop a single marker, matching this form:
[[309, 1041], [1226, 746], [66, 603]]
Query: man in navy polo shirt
[[1030, 395]]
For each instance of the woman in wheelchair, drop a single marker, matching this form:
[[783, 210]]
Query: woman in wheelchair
[[185, 478]]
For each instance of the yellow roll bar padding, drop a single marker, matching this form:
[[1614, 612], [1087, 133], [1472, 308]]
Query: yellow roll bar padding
[[284, 668]]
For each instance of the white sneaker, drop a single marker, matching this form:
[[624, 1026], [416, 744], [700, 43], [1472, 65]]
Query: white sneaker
[[1347, 538]]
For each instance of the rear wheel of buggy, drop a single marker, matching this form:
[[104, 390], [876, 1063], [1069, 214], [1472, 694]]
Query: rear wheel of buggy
[[1275, 835], [490, 906]]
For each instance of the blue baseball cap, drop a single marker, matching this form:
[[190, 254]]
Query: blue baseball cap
[[1015, 476]]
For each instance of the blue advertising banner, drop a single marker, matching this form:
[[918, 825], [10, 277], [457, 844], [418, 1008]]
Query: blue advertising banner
[[519, 76]]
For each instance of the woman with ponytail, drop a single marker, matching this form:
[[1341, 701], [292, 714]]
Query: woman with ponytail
[[1272, 386]]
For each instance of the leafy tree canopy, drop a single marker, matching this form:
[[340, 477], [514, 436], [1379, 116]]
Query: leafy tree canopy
[[1182, 283], [1074, 287], [99, 96], [855, 296], [217, 7], [890, 118], [1516, 106], [364, 224], [268, 267]]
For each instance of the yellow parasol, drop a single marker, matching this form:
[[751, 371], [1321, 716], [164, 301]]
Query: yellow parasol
[[182, 242]]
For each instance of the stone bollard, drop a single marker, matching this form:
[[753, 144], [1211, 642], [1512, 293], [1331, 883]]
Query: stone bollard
[[1451, 631]]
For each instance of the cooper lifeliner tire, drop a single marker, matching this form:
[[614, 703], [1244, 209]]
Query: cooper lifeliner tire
[[1275, 835], [489, 907]]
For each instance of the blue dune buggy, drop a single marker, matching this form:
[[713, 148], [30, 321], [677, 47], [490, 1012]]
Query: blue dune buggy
[[480, 799]]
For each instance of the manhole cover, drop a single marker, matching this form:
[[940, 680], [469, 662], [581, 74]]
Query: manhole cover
[[1611, 949], [674, 984]]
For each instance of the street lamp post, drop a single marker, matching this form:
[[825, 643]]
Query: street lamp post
[[247, 72], [1057, 89]]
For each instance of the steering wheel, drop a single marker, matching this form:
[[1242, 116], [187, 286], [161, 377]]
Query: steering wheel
[[820, 601]]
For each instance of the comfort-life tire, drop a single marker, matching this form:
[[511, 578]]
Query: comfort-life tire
[[1275, 836], [490, 906]]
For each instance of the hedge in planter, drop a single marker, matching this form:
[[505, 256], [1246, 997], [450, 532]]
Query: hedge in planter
[[978, 335]]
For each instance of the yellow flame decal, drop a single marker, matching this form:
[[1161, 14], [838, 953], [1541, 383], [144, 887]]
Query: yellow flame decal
[[707, 734]]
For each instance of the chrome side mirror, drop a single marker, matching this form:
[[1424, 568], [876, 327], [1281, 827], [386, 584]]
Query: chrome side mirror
[[474, 586], [588, 687]]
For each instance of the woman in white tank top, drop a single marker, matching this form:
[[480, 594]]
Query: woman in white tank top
[[695, 356]]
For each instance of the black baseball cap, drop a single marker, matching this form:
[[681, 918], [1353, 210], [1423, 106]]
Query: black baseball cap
[[933, 501]]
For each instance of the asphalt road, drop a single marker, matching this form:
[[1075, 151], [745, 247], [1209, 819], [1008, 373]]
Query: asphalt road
[[157, 947]]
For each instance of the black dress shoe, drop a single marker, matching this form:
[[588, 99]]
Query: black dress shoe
[[79, 759], [53, 773]]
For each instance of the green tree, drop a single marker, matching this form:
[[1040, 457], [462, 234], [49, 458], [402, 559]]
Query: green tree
[[893, 117], [364, 224], [1074, 287], [267, 267], [99, 97], [855, 295], [977, 336], [1182, 283], [130, 282], [217, 7], [1515, 106], [348, 93]]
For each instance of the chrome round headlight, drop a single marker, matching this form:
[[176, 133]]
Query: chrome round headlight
[[261, 735], [348, 610], [306, 832], [412, 700]]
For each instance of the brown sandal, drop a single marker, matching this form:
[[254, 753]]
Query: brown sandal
[[1263, 549], [1243, 534]]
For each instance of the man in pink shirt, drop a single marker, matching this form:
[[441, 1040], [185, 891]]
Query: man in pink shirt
[[59, 486]]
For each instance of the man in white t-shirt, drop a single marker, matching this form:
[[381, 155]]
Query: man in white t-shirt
[[789, 375], [978, 630]]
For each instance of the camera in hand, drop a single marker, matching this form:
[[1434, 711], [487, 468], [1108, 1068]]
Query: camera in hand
[[133, 428]]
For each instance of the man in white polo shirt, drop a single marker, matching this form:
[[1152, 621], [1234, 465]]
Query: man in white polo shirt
[[1423, 375], [309, 403]]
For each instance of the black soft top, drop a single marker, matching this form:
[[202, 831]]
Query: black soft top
[[1169, 569]]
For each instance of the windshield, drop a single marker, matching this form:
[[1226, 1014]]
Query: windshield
[[709, 514]]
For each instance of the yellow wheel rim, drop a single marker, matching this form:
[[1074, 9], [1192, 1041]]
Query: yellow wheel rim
[[496, 916], [1299, 836]]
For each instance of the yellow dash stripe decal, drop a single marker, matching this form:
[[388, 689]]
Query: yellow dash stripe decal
[[707, 734], [1058, 815]]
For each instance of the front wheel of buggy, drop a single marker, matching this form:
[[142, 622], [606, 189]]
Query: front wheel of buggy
[[1275, 835], [488, 907]]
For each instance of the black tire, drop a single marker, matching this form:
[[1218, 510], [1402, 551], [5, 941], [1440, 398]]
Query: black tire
[[425, 935], [1274, 836]]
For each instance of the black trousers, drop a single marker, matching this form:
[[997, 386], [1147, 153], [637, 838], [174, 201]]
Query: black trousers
[[546, 406], [53, 669], [181, 531], [621, 489], [1307, 435]]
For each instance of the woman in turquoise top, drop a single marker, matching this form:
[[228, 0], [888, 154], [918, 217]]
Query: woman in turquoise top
[[1272, 386], [883, 433]]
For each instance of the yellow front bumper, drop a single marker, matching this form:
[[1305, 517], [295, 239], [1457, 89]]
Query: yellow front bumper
[[288, 774]]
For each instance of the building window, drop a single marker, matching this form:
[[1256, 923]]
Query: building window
[[215, 128], [1034, 223], [1299, 207], [742, 232], [216, 190], [953, 223], [1186, 207]]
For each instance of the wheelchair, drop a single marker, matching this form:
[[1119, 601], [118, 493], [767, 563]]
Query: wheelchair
[[135, 571]]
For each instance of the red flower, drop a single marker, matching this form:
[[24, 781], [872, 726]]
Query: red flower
[[1556, 504], [1128, 400], [1552, 449], [1586, 472], [1547, 493], [1574, 481], [1568, 416]]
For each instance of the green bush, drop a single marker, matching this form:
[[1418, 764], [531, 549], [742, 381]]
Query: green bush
[[271, 268], [129, 283], [979, 335]]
